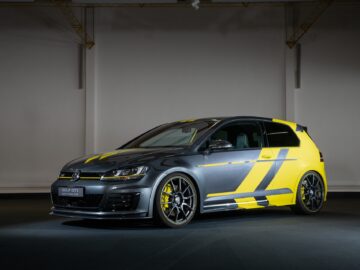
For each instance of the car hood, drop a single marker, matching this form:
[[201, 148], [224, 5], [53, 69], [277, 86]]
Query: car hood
[[104, 162]]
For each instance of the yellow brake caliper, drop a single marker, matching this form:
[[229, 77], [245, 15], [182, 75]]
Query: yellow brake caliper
[[302, 193], [165, 197]]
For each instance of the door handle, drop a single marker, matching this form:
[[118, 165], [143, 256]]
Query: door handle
[[266, 156]]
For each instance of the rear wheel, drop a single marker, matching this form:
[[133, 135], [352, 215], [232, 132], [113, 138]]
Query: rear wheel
[[310, 194], [176, 200]]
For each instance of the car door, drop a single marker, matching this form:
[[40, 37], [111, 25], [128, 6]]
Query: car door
[[281, 184], [229, 173]]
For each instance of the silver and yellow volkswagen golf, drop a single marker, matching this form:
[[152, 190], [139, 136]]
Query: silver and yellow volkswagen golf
[[204, 165]]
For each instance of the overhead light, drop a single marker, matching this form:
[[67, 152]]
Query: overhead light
[[196, 4]]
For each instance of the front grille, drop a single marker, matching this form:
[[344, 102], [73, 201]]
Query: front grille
[[86, 174], [88, 201], [82, 174], [122, 202]]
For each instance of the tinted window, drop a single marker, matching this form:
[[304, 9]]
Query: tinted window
[[171, 137], [240, 135], [280, 135], [173, 134]]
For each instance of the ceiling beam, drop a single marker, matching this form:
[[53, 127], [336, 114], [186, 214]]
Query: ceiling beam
[[79, 28], [301, 28], [179, 3]]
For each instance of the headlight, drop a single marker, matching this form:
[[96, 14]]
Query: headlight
[[130, 173]]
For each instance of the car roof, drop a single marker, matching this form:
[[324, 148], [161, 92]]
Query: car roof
[[250, 118], [225, 118]]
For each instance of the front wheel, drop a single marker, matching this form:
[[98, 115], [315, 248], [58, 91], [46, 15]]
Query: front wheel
[[176, 200], [310, 194]]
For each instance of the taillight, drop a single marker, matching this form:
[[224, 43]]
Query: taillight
[[321, 157]]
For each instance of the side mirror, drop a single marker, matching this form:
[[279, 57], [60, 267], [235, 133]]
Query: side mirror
[[220, 145]]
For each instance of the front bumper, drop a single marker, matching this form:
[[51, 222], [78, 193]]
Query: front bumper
[[71, 213], [102, 200]]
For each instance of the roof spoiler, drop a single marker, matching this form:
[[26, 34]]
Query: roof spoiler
[[301, 128]]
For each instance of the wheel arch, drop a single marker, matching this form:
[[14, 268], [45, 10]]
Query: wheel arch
[[301, 175], [158, 180]]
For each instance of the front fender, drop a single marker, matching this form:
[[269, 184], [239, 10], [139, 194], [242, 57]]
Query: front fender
[[162, 176]]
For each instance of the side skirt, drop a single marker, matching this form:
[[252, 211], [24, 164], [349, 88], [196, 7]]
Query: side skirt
[[257, 199]]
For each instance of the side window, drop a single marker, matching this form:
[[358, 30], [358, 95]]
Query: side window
[[240, 135], [280, 135]]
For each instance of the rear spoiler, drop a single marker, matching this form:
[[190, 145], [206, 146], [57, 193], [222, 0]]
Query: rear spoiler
[[301, 128]]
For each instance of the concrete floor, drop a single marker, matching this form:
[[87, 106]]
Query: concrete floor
[[271, 239]]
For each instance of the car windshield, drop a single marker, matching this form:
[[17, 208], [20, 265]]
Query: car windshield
[[183, 133]]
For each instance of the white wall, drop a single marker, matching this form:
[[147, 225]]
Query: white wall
[[328, 101], [151, 66], [41, 109], [156, 66]]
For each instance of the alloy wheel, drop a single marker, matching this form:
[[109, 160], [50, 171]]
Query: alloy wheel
[[312, 192], [178, 200]]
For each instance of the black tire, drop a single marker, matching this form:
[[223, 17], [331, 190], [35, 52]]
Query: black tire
[[310, 194], [175, 201]]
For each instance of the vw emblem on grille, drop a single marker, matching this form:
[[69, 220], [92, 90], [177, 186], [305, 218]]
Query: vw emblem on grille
[[76, 175]]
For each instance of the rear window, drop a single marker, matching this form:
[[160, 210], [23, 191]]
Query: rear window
[[280, 135]]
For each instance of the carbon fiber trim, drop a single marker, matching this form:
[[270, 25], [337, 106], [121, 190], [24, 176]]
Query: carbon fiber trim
[[257, 194]]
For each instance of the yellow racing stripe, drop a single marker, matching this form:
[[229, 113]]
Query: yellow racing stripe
[[109, 154], [226, 163], [254, 177], [187, 120], [214, 164], [91, 159]]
